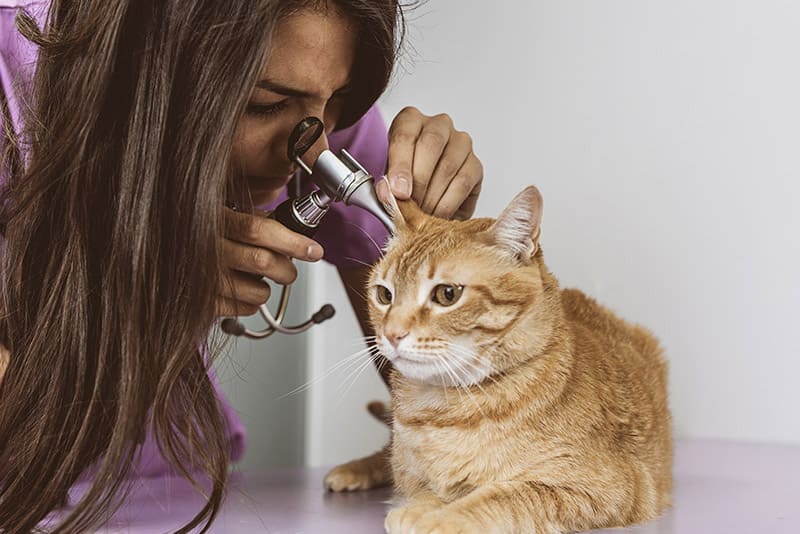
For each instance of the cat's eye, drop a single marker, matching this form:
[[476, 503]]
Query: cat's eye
[[383, 295], [446, 294]]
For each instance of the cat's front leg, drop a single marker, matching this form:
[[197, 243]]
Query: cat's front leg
[[373, 471], [404, 519]]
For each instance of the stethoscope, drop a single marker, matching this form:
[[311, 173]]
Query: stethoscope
[[339, 180]]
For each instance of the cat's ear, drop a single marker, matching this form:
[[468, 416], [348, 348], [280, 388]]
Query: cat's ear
[[387, 200], [517, 228], [404, 213], [411, 214]]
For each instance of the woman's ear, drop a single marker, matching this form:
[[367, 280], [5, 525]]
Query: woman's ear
[[517, 229]]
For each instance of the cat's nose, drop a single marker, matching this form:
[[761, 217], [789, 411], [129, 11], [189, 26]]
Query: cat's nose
[[395, 337]]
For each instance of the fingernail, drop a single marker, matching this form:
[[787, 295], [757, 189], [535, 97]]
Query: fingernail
[[400, 185], [382, 190], [314, 252]]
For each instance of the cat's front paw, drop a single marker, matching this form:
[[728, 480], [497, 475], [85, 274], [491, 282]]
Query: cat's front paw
[[402, 520], [426, 520], [366, 473]]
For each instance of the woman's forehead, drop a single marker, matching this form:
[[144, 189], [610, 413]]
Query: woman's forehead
[[312, 51]]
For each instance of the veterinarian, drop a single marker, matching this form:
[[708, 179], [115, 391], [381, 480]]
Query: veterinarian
[[128, 127]]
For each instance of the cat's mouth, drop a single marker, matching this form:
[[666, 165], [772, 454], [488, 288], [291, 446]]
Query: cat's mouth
[[414, 368], [407, 357]]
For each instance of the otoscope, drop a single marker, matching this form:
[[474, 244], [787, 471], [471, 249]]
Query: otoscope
[[340, 179]]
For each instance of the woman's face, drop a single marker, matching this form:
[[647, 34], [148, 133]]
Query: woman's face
[[307, 74]]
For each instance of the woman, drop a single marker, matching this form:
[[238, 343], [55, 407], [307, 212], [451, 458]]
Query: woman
[[142, 122]]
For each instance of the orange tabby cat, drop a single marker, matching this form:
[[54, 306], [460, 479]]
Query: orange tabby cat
[[518, 406]]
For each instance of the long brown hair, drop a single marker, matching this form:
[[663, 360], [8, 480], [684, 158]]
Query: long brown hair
[[112, 239]]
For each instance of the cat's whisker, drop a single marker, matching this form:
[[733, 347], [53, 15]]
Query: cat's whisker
[[344, 363], [382, 363], [354, 376], [372, 240], [476, 383], [468, 357], [367, 340], [452, 376], [307, 385], [370, 352], [459, 384], [356, 260], [354, 289], [462, 363]]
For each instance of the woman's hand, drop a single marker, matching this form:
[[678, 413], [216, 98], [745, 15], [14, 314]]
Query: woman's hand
[[257, 247], [433, 163]]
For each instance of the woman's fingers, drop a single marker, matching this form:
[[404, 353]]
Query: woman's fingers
[[269, 233], [257, 247], [455, 155], [246, 288], [461, 196], [431, 148], [226, 307], [259, 261], [434, 164], [403, 134]]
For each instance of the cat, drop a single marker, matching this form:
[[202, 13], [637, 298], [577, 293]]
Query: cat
[[517, 406]]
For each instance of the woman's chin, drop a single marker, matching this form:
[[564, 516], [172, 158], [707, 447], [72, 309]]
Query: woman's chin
[[268, 190]]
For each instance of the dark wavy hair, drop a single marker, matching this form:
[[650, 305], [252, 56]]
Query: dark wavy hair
[[112, 222]]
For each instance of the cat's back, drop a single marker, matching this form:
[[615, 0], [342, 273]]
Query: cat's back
[[626, 366], [607, 329]]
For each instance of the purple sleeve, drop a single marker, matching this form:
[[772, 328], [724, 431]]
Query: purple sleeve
[[350, 235], [17, 54], [17, 62]]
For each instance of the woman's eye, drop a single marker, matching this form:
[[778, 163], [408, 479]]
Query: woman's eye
[[265, 110], [383, 295], [446, 294]]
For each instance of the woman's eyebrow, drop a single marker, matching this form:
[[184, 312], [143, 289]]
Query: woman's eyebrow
[[285, 90]]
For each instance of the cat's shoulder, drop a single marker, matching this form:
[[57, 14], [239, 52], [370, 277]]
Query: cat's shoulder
[[576, 302], [585, 311]]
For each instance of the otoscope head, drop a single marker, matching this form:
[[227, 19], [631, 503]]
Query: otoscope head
[[364, 197], [340, 178], [346, 180]]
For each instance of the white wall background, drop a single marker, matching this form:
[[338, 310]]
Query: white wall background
[[665, 138]]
